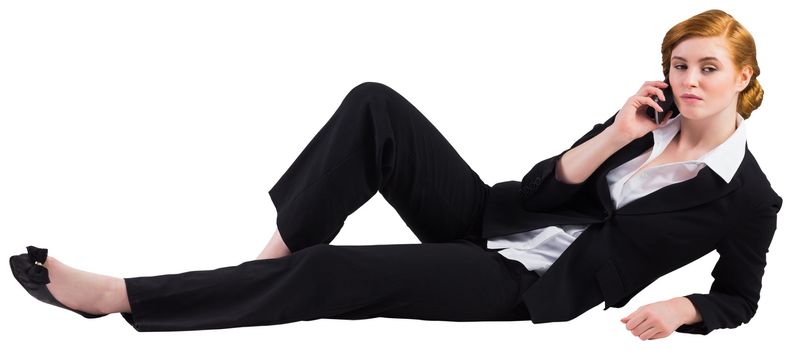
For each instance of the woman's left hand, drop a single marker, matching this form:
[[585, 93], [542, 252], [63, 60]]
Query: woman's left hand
[[656, 320]]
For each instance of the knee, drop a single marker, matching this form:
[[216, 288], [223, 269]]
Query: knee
[[369, 88]]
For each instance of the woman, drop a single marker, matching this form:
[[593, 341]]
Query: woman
[[544, 249]]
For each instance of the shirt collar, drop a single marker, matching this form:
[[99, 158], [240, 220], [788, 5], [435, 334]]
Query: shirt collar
[[723, 159]]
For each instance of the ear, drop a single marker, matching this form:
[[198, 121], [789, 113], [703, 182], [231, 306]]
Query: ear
[[744, 78]]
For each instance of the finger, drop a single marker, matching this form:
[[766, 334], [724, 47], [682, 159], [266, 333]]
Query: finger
[[628, 317], [659, 335], [659, 93], [636, 321], [642, 327], [658, 83], [630, 324], [648, 101], [649, 333]]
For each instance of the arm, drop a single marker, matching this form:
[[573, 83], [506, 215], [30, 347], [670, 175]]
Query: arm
[[554, 180], [577, 164], [734, 295]]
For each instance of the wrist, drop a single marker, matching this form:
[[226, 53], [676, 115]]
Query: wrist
[[687, 311], [617, 137]]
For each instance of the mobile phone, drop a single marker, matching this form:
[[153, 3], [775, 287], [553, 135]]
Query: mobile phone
[[666, 105]]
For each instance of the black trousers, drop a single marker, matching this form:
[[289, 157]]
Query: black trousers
[[375, 141]]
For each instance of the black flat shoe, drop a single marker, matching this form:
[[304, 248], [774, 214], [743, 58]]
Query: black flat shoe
[[29, 270]]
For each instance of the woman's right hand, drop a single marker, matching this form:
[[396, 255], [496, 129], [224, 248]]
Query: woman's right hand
[[631, 122]]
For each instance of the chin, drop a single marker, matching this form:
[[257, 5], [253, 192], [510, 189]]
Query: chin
[[692, 113]]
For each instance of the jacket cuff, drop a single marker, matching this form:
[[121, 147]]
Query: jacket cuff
[[541, 191], [705, 326]]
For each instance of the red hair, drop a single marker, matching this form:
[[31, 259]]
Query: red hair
[[739, 43]]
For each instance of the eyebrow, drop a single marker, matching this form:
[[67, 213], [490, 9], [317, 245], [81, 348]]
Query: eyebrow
[[708, 58]]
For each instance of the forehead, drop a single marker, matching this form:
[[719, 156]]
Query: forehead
[[695, 49]]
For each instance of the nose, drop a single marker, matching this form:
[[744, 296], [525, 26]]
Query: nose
[[690, 80]]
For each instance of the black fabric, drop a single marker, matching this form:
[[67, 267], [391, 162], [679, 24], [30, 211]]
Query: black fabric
[[622, 251], [453, 281], [376, 141]]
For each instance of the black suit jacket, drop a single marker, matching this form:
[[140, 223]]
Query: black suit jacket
[[623, 251]]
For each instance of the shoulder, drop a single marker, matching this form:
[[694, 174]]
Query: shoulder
[[756, 190]]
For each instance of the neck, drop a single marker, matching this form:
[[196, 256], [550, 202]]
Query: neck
[[702, 135]]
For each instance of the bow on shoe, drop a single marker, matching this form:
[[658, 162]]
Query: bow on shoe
[[29, 271], [37, 272]]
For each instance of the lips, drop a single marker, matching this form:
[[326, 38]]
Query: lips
[[691, 96]]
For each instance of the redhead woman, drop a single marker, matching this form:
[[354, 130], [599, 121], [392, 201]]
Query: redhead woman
[[628, 202]]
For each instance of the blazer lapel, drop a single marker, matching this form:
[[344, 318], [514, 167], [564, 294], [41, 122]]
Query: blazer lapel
[[704, 187]]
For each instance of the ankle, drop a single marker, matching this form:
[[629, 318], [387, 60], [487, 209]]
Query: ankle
[[278, 241], [275, 248], [114, 297], [272, 253]]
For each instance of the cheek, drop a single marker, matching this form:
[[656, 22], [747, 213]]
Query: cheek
[[720, 88]]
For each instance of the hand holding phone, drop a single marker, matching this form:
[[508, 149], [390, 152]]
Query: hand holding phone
[[666, 105], [630, 123]]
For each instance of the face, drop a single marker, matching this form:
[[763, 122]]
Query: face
[[714, 80]]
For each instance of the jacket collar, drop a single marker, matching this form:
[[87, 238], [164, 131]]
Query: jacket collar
[[715, 180]]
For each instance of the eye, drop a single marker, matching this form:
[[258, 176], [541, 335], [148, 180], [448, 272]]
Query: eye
[[712, 69]]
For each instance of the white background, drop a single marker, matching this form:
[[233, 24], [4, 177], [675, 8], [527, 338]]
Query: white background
[[141, 138]]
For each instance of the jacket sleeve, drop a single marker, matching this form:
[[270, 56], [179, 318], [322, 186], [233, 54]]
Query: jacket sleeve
[[734, 295], [540, 190]]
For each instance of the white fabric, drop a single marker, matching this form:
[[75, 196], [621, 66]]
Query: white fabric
[[538, 249]]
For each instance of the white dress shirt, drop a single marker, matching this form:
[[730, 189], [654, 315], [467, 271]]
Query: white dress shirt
[[538, 249]]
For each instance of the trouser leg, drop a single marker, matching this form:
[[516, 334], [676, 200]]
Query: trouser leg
[[454, 281], [378, 141]]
